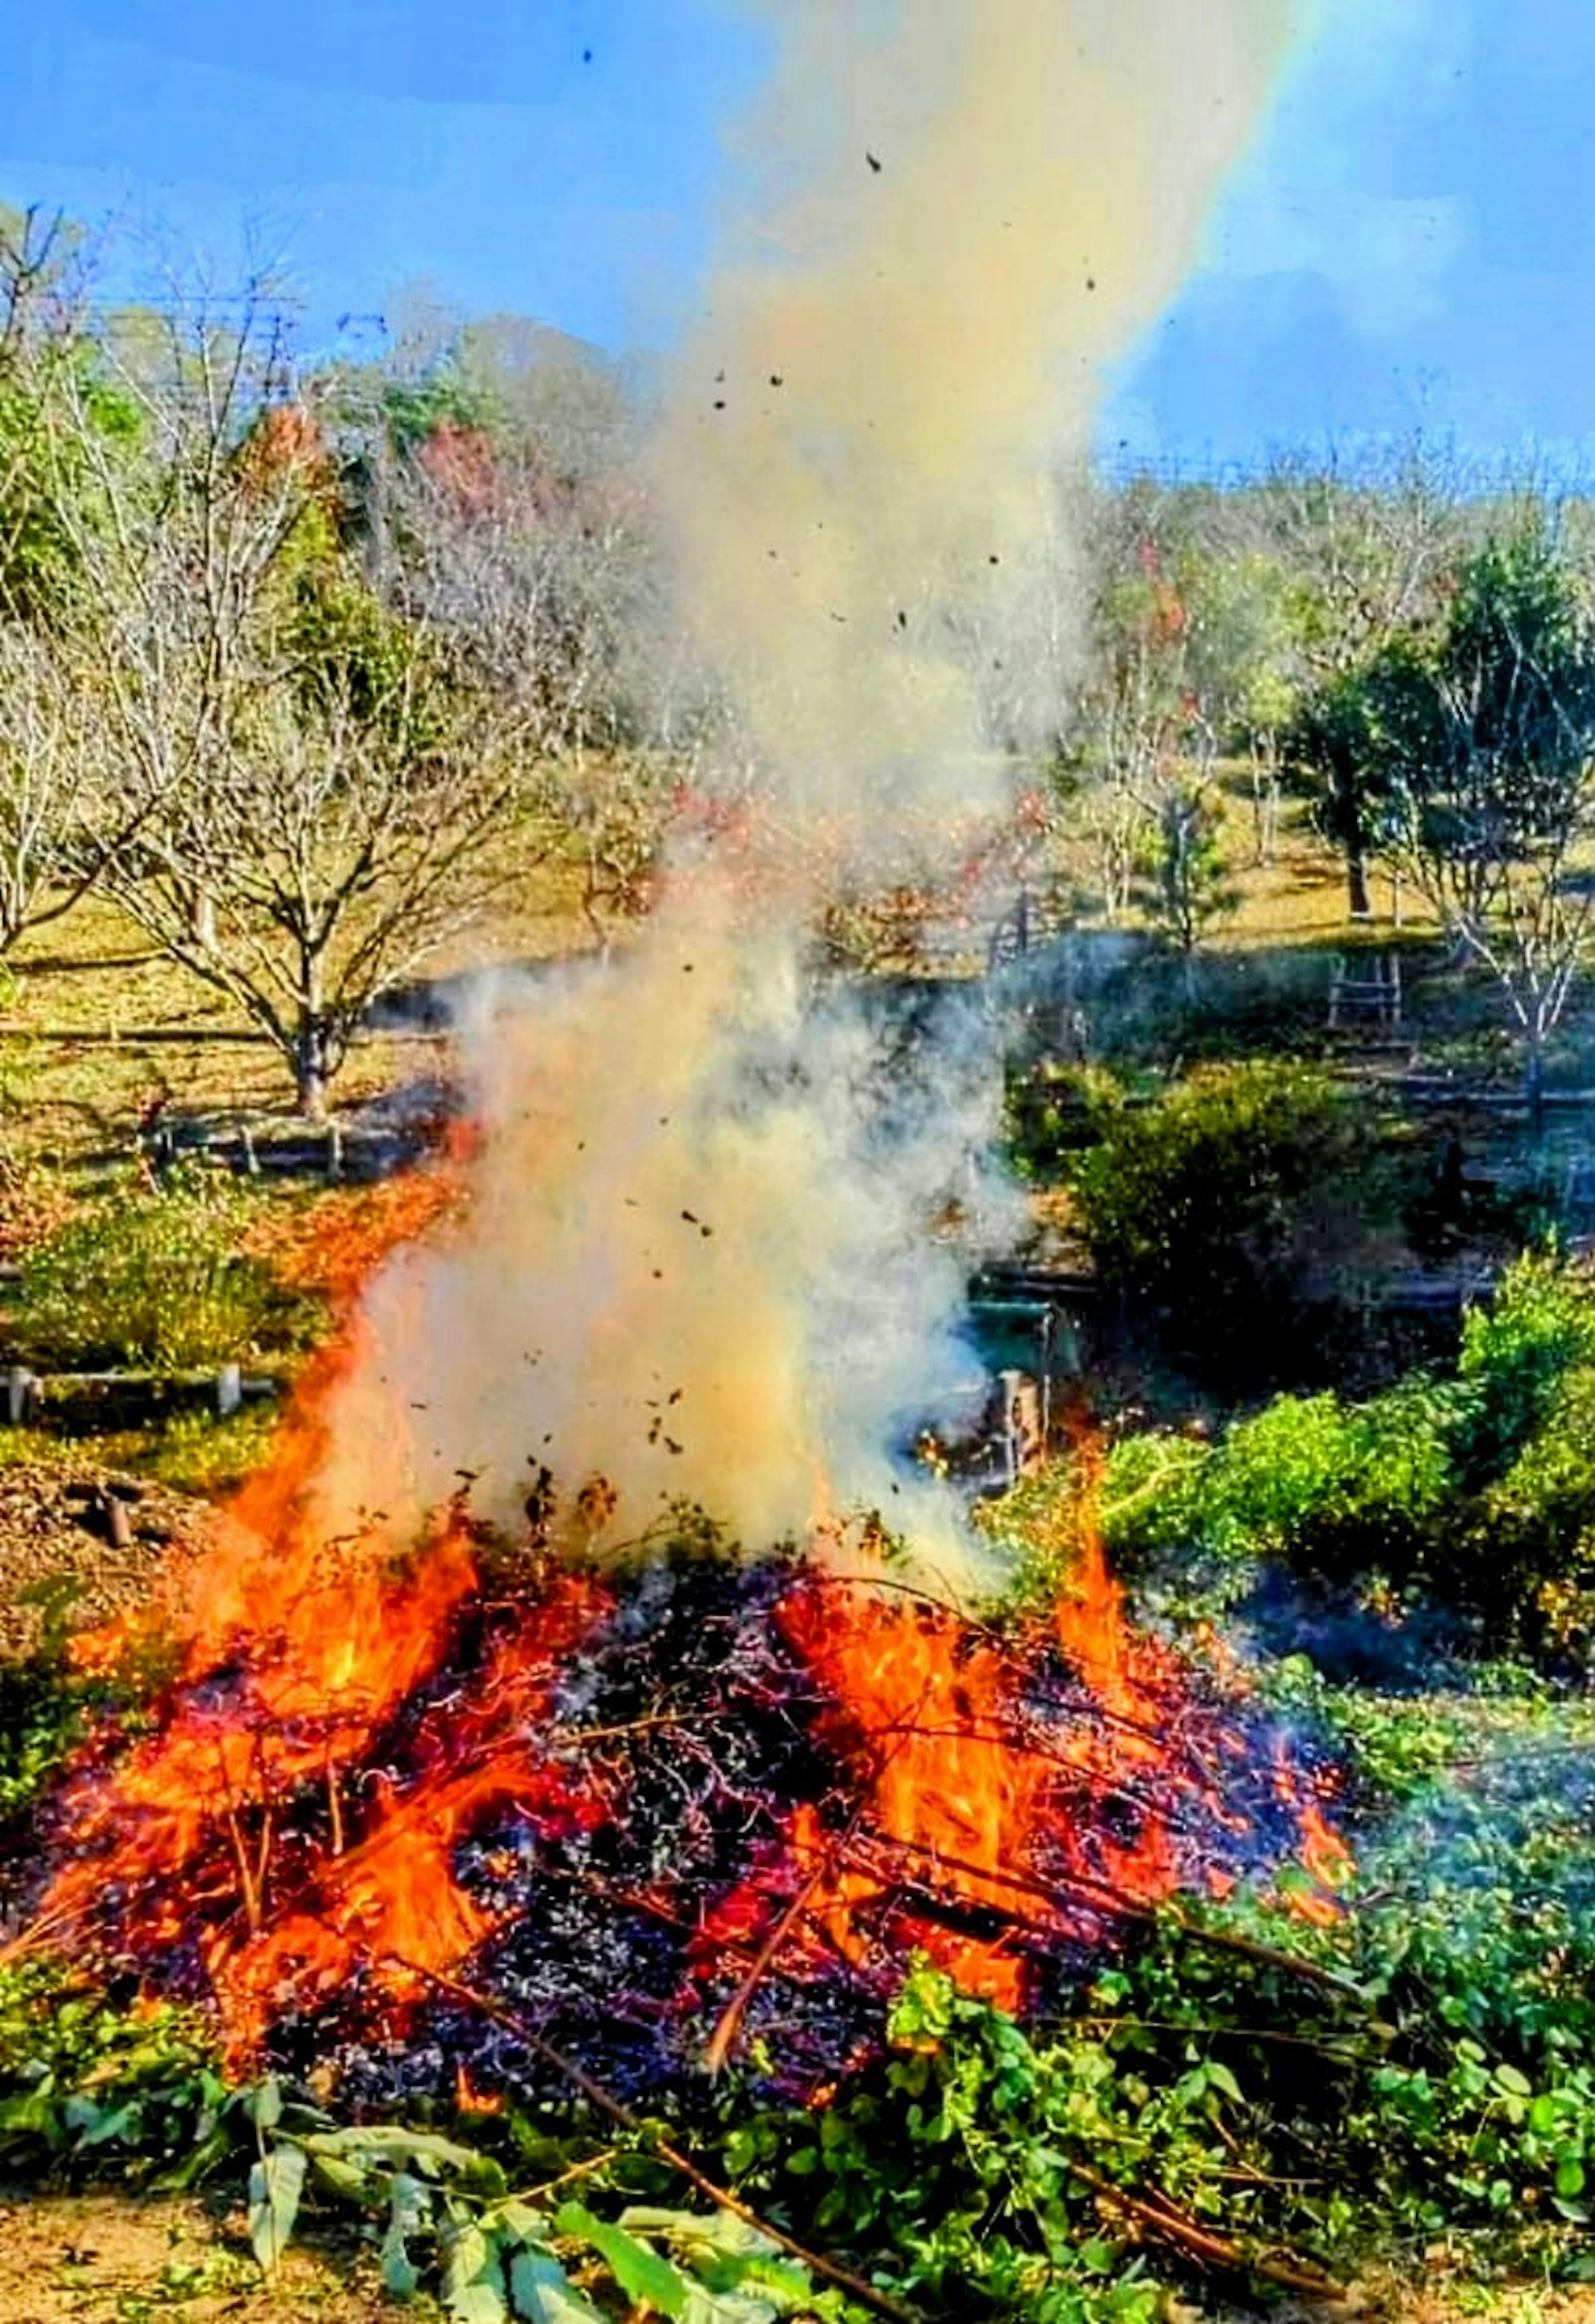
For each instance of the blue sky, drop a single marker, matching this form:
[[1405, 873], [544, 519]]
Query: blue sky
[[1409, 244]]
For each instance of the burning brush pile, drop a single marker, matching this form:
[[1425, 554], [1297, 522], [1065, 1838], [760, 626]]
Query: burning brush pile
[[467, 1718], [670, 1809]]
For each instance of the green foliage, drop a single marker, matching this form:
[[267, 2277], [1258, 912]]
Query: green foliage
[[41, 1715], [1338, 1488], [153, 1276], [444, 397], [449, 2220], [355, 657], [1186, 885], [1391, 1746], [947, 2167], [1053, 1110], [84, 2082], [1478, 1488], [1228, 1203], [44, 466], [200, 1453], [1434, 2083], [1531, 1534], [1516, 1351]]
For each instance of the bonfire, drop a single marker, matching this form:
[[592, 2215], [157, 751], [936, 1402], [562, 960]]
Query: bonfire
[[395, 1805]]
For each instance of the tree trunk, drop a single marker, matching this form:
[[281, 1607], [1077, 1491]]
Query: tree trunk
[[309, 1069], [1357, 897], [1534, 1086]]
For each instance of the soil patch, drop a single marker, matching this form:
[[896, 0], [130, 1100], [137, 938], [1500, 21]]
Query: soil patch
[[117, 2259], [56, 1532]]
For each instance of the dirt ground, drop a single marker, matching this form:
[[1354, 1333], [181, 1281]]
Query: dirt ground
[[55, 1538], [115, 2259]]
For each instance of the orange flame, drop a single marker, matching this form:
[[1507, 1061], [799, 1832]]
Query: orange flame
[[1010, 1790], [974, 1810], [295, 1650]]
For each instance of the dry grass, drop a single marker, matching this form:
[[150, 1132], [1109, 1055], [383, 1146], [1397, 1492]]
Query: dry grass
[[1299, 899], [77, 1066]]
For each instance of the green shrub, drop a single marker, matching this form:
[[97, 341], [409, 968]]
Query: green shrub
[[83, 2081], [1152, 1493], [1053, 1110], [1229, 1208], [1283, 1474], [153, 1276], [1514, 1352], [1341, 1488], [1478, 1489], [1528, 1550], [1324, 1485]]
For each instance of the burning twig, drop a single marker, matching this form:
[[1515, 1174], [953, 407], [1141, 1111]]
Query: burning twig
[[335, 1804], [264, 1857], [867, 2294], [1159, 2216], [40, 1931], [647, 1726], [718, 2047], [234, 1829], [1079, 1887]]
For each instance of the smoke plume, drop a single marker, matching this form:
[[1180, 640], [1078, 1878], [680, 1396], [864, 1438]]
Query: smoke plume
[[960, 212], [698, 1262]]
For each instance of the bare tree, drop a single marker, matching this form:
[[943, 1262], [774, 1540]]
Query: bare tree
[[1136, 743], [307, 795], [52, 817], [330, 853], [543, 572], [1480, 741], [57, 827]]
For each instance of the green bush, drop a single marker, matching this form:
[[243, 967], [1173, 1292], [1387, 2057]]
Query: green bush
[[1479, 1489], [1232, 1207], [1341, 1488], [153, 1276], [1515, 1354], [1327, 1487], [1529, 1545], [1053, 1110]]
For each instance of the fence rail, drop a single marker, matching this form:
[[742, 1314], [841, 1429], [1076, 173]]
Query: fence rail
[[225, 1386]]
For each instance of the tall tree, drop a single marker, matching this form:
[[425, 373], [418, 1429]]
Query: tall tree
[[1479, 732], [1366, 548]]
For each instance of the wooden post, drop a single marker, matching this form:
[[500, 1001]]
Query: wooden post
[[251, 1161], [1048, 1334], [21, 1396], [229, 1390], [334, 1151]]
